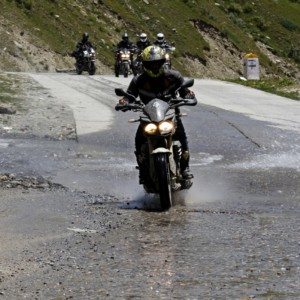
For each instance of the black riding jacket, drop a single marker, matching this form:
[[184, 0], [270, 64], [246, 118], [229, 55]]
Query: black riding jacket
[[142, 45], [148, 88], [125, 45]]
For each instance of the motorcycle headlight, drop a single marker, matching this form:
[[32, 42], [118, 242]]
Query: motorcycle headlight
[[167, 56], [150, 128], [165, 127]]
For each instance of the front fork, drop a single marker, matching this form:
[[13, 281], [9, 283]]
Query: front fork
[[165, 145]]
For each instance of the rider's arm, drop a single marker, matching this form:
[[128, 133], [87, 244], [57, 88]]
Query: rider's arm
[[188, 94], [133, 88], [185, 92]]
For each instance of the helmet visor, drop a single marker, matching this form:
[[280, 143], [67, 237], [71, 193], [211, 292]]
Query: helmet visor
[[154, 66]]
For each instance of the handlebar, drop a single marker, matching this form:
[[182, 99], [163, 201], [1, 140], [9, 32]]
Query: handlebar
[[182, 102], [129, 106], [139, 106]]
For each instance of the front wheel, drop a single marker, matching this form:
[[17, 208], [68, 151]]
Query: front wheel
[[126, 69], [78, 69], [164, 180], [117, 70], [92, 68]]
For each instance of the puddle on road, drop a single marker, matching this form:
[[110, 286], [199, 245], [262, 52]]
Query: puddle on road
[[205, 188], [270, 161], [4, 143], [151, 202], [112, 161], [204, 159], [142, 201]]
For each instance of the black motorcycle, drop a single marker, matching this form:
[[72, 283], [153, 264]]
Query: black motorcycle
[[123, 62], [162, 152], [137, 64], [168, 52], [85, 61]]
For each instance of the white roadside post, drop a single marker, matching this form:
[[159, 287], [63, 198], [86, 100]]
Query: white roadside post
[[251, 66]]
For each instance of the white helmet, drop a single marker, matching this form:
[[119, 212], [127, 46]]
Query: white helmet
[[143, 37], [160, 38]]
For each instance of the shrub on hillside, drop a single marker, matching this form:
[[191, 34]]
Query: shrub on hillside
[[248, 9], [27, 4], [289, 25], [260, 23], [235, 8]]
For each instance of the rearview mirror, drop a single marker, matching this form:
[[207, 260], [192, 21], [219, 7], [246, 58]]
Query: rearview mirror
[[119, 92], [188, 83]]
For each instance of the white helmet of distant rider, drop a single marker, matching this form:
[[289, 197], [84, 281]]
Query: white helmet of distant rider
[[160, 38], [143, 37]]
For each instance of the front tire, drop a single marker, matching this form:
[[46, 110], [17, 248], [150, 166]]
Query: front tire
[[92, 69], [117, 69], [164, 180], [78, 69], [126, 70]]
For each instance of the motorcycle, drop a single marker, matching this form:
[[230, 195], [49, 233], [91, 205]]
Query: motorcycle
[[162, 153], [123, 62], [169, 50], [86, 61], [137, 66]]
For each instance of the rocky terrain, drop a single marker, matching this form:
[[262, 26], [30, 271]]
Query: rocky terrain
[[32, 112], [210, 38]]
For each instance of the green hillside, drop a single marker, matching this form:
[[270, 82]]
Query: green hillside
[[57, 25]]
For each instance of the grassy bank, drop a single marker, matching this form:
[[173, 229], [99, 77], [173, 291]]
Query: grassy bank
[[57, 25], [284, 87]]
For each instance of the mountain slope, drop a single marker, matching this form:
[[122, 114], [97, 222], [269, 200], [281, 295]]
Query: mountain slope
[[210, 36]]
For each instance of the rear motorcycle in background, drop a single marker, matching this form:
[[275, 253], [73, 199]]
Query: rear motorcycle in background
[[169, 51], [86, 61], [123, 62], [137, 66]]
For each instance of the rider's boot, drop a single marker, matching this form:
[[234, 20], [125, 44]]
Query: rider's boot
[[141, 161], [184, 165]]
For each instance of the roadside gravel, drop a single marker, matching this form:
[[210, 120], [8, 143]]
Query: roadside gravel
[[38, 113]]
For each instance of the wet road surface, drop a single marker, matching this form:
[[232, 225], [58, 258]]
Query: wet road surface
[[234, 235]]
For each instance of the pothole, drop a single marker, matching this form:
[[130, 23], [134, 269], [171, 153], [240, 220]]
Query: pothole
[[9, 180]]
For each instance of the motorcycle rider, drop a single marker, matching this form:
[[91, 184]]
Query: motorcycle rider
[[82, 45], [125, 43], [143, 42], [161, 41], [155, 82]]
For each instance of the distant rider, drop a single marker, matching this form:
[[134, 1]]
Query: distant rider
[[155, 82], [161, 41], [125, 43], [143, 42], [83, 44]]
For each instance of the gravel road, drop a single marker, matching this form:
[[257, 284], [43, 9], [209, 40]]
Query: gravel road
[[75, 224]]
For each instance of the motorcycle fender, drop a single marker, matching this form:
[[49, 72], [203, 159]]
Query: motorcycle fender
[[160, 150]]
